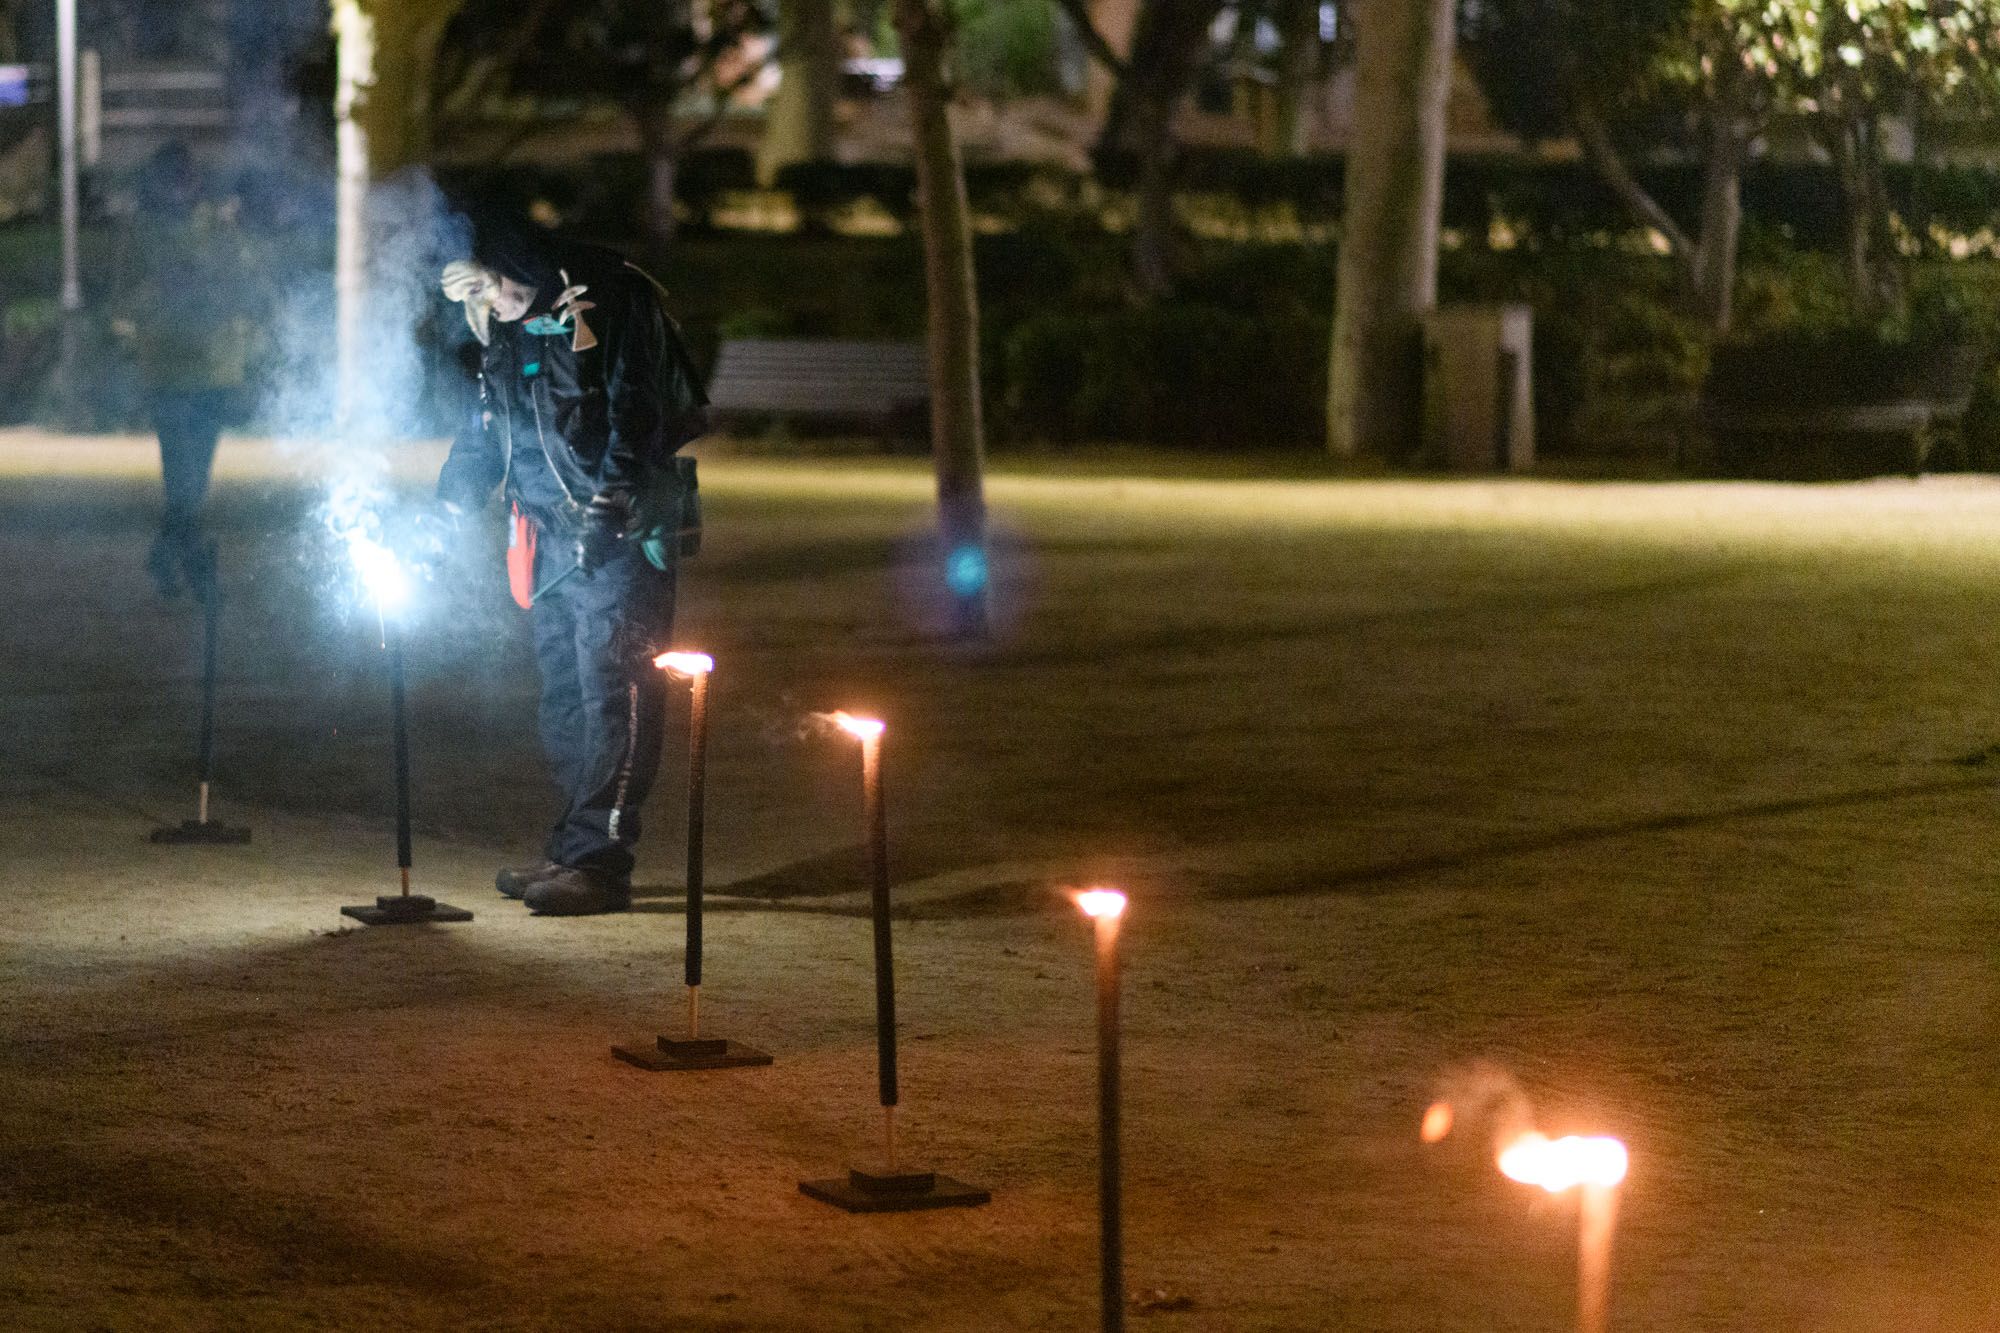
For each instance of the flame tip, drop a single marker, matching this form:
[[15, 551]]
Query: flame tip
[[864, 728], [1561, 1164], [1102, 902], [685, 664]]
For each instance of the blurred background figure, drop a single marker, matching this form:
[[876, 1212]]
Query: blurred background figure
[[186, 303]]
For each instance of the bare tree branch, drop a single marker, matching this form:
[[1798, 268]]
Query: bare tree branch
[[1595, 139], [484, 73], [700, 130], [1093, 39]]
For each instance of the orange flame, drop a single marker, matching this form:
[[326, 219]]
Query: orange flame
[[1438, 1121], [862, 728], [1560, 1164], [1101, 903], [685, 664]]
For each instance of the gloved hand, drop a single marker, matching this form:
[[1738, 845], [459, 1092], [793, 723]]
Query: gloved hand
[[604, 525]]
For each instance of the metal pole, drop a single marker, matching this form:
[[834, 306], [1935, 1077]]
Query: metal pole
[[393, 631], [66, 136], [1109, 1204], [1598, 1212], [877, 824], [211, 612], [697, 784]]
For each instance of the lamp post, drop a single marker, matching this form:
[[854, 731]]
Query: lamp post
[[69, 150]]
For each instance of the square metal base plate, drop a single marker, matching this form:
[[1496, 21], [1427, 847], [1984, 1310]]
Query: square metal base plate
[[193, 831], [900, 1192], [397, 909], [675, 1053]]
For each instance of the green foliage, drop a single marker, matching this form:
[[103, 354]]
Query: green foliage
[[821, 190], [1538, 61], [1176, 373], [704, 176], [1036, 195], [1007, 48], [1835, 57]]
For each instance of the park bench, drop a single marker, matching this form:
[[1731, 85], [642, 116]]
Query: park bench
[[1784, 437], [880, 386]]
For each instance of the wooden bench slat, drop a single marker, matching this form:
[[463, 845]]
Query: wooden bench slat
[[830, 378]]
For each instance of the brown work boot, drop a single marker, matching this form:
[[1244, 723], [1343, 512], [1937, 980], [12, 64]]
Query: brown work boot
[[575, 891], [514, 881]]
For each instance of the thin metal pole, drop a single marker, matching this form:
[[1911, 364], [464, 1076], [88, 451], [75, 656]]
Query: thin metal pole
[[393, 632], [1110, 1207], [877, 824], [1597, 1214], [66, 135], [697, 792], [211, 636]]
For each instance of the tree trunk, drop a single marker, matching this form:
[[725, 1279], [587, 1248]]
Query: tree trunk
[[800, 126], [656, 140], [1868, 244], [952, 308], [1705, 263], [1298, 66], [1168, 43], [381, 107], [1712, 274], [1388, 245]]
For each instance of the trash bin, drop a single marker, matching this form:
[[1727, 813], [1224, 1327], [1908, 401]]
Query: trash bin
[[1479, 413]]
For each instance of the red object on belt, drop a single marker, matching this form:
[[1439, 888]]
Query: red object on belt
[[521, 559]]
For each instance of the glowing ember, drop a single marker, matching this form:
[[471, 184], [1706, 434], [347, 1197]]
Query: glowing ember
[[862, 728], [685, 664], [1437, 1122], [1101, 903], [379, 570], [1564, 1163]]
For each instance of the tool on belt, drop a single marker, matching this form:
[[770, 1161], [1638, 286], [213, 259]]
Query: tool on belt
[[666, 525]]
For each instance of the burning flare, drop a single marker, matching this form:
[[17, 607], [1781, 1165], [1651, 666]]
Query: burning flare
[[685, 664], [379, 569], [1100, 903], [861, 728], [1560, 1164]]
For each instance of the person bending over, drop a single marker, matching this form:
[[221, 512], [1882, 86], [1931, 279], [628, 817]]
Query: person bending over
[[585, 394]]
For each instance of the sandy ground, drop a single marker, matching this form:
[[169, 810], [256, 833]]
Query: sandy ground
[[1670, 799]]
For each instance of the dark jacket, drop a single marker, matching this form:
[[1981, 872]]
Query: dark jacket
[[603, 421]]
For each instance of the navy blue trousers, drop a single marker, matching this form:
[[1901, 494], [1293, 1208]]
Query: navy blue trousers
[[190, 423], [603, 701]]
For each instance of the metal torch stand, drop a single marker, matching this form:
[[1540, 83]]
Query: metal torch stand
[[893, 1187], [694, 1051], [405, 908], [201, 829]]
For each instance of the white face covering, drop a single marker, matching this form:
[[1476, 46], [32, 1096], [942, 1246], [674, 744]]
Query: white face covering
[[475, 287]]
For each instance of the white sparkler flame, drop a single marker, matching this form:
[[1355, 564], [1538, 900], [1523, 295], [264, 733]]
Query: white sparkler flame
[[380, 571]]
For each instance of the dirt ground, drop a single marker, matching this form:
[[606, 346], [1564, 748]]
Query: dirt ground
[[1676, 801]]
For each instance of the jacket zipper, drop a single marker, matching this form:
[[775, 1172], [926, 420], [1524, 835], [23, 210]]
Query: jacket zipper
[[507, 421]]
